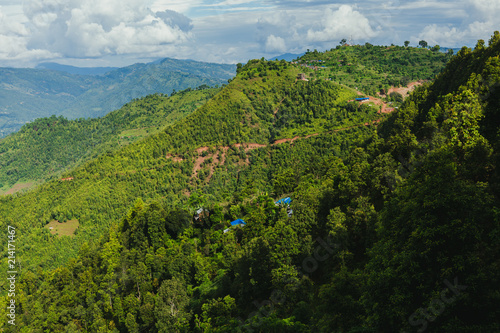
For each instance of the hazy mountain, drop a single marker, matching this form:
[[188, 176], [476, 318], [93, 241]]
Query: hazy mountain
[[75, 70], [27, 94], [287, 56]]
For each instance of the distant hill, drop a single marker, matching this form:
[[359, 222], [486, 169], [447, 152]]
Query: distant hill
[[27, 94], [75, 70], [446, 49], [288, 56]]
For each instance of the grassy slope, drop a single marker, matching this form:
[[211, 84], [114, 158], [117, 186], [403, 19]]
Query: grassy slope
[[262, 104]]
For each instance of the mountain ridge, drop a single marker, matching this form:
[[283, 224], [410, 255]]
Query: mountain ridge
[[27, 94], [75, 69]]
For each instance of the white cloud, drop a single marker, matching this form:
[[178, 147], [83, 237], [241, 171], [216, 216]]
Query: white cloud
[[457, 37], [275, 44], [92, 28], [13, 37], [180, 6], [490, 8], [111, 32], [9, 27], [342, 23], [481, 22]]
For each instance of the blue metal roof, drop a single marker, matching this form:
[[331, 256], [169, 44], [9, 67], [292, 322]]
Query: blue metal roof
[[286, 200], [362, 98], [238, 221]]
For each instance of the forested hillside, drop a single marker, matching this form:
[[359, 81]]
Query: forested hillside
[[46, 147], [373, 69], [210, 150], [394, 225], [27, 94]]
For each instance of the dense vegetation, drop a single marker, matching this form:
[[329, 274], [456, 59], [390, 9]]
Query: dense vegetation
[[101, 190], [47, 147], [372, 68], [394, 228], [27, 94]]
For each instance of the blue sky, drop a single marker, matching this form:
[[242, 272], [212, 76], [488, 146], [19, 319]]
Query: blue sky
[[122, 32]]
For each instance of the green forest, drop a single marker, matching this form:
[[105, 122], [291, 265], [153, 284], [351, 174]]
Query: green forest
[[46, 147], [393, 224]]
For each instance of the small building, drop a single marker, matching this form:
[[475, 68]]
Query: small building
[[200, 214], [302, 77], [238, 222], [360, 99]]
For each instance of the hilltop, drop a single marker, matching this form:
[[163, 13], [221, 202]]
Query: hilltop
[[374, 69], [264, 107], [27, 94], [209, 150], [59, 150]]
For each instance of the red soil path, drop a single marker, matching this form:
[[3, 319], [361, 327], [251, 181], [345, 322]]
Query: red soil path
[[219, 157]]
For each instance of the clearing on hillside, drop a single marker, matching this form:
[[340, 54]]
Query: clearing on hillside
[[16, 188], [67, 228]]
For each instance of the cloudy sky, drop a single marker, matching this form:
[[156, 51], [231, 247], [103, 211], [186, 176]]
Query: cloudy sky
[[122, 32]]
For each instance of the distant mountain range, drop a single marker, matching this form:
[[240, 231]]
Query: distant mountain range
[[75, 70], [54, 89]]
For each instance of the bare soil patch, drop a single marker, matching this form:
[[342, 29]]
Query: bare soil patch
[[404, 91]]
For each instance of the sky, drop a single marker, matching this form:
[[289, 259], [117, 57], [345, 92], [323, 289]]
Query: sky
[[122, 32]]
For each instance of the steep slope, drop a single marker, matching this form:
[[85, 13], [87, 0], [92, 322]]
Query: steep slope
[[27, 94], [435, 264], [231, 125], [49, 146]]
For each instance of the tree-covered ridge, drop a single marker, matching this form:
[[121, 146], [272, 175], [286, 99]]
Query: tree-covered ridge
[[27, 94], [306, 114], [49, 146], [167, 166], [392, 230], [372, 68]]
